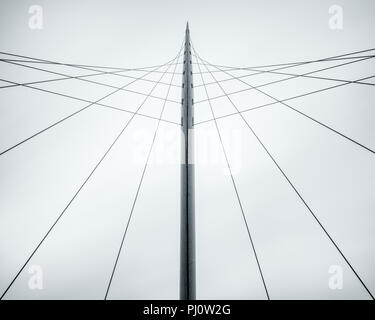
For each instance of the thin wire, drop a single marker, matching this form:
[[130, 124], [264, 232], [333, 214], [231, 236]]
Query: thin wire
[[71, 115], [296, 64], [287, 99], [299, 112], [81, 66], [86, 80], [299, 195], [139, 186], [292, 65], [89, 101], [232, 77], [87, 67], [77, 192], [305, 75], [234, 186], [113, 73]]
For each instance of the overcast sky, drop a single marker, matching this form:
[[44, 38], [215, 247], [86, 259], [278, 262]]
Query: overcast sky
[[335, 176]]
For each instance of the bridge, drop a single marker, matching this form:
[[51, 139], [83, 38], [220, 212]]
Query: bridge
[[267, 194]]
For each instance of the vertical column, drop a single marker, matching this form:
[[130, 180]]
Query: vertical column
[[187, 244]]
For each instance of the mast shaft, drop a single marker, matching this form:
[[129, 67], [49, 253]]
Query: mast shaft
[[187, 244]]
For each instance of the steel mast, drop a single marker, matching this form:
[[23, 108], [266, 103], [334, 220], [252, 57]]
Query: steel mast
[[187, 241]]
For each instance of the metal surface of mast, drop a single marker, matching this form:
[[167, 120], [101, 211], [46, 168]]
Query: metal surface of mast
[[187, 244]]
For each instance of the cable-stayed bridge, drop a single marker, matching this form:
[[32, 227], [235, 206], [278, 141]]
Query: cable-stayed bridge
[[121, 115]]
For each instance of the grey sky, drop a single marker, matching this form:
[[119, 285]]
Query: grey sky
[[335, 176]]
